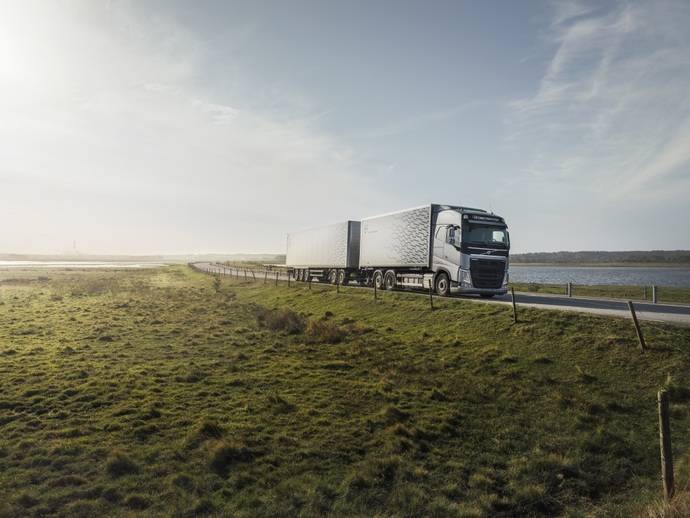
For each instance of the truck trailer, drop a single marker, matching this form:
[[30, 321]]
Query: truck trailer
[[449, 248]]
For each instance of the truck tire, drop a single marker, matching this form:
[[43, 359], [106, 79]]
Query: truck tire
[[300, 275], [442, 284], [343, 277], [333, 276], [377, 280], [389, 280]]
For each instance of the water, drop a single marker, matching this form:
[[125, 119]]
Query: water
[[76, 264], [678, 277]]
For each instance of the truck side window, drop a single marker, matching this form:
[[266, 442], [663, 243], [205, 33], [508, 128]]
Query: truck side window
[[450, 237]]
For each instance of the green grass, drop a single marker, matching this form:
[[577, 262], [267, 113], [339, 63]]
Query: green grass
[[150, 392], [664, 294]]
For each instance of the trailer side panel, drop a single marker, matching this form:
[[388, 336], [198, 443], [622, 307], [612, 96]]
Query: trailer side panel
[[398, 240], [323, 247]]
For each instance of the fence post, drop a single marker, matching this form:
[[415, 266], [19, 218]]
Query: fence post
[[265, 276], [512, 297], [431, 295], [645, 292], [654, 294], [375, 294], [309, 282], [665, 444], [288, 276], [570, 289], [276, 278], [640, 338], [253, 276], [337, 282]]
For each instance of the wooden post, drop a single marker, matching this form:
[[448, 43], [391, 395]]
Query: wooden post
[[640, 338], [265, 275], [654, 294], [375, 294], [512, 297], [431, 295], [645, 293], [253, 276], [665, 444], [570, 289], [276, 278], [288, 276], [309, 281]]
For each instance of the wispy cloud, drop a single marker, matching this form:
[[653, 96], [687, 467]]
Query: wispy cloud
[[611, 110], [418, 121]]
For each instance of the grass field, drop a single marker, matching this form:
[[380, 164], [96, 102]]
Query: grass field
[[664, 294], [156, 392]]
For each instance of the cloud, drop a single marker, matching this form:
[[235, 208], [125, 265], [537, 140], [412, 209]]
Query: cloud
[[106, 124], [611, 111]]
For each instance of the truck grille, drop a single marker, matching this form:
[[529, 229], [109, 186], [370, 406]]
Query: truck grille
[[487, 273]]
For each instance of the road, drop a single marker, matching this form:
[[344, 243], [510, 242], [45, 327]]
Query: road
[[678, 314]]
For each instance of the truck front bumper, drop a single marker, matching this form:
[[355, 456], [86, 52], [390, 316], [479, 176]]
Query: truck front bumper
[[465, 286]]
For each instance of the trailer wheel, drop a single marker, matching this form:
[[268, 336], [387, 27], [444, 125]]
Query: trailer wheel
[[442, 284], [332, 276], [378, 279], [300, 275], [343, 277], [389, 280]]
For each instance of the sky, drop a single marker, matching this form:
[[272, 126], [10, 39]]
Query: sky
[[141, 127]]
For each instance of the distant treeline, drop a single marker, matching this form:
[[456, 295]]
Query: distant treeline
[[651, 256]]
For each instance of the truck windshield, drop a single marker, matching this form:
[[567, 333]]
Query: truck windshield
[[485, 235]]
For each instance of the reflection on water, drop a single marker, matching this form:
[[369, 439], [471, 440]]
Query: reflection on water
[[625, 275]]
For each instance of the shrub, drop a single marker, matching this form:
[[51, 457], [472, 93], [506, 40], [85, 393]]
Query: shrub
[[322, 331], [119, 464], [281, 320]]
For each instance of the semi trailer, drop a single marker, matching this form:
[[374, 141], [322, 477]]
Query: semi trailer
[[449, 248]]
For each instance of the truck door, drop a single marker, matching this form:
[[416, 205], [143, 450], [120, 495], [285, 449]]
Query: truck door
[[451, 250], [439, 244]]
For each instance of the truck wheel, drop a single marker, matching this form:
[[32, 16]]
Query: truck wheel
[[300, 275], [343, 277], [389, 280], [442, 284], [332, 276], [378, 279]]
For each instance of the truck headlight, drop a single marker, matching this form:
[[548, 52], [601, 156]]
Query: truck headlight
[[465, 278]]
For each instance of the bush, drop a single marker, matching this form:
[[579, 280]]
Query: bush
[[281, 320], [322, 331]]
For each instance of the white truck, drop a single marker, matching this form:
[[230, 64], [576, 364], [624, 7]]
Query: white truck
[[452, 249]]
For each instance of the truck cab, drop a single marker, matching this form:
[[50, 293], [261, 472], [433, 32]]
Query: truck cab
[[470, 252]]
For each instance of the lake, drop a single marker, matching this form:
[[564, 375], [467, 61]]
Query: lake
[[624, 275], [77, 264]]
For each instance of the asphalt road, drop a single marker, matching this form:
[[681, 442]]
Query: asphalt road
[[670, 313]]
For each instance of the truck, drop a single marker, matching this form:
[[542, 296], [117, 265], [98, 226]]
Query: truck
[[448, 248]]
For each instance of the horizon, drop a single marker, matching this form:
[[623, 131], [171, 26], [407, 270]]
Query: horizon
[[146, 128]]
